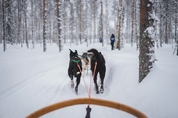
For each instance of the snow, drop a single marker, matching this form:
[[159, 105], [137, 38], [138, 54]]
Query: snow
[[31, 79], [150, 31]]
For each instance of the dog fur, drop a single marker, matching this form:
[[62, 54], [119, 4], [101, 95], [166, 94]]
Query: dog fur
[[100, 68], [73, 69]]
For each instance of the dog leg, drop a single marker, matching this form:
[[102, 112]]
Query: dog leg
[[77, 83], [95, 82], [102, 75], [101, 89], [76, 90], [96, 88], [72, 84]]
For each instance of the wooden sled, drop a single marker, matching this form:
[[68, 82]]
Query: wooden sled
[[89, 101]]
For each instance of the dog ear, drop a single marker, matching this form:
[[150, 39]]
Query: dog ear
[[76, 53], [71, 50], [71, 53]]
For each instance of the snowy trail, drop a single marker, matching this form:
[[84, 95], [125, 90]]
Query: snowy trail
[[42, 88], [31, 80], [38, 89], [51, 85]]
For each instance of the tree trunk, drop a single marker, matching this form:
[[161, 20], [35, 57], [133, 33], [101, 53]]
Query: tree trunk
[[26, 30], [44, 25], [80, 23], [4, 29], [146, 56], [9, 22], [101, 18], [58, 24], [19, 40], [133, 22], [137, 17], [177, 47], [176, 22], [161, 26], [32, 27], [119, 24], [166, 32]]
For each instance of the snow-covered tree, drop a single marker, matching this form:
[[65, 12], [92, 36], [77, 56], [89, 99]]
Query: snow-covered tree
[[58, 6], [119, 24], [8, 24], [146, 56], [44, 26]]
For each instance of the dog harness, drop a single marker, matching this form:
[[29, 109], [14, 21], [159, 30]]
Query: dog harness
[[76, 60]]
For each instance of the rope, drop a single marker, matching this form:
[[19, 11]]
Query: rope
[[88, 109], [83, 79], [93, 78], [88, 90]]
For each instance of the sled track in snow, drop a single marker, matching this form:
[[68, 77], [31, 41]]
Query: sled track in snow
[[26, 82]]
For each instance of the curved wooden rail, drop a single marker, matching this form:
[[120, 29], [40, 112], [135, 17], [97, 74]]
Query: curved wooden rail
[[94, 101]]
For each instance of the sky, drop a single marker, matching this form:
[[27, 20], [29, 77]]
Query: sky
[[31, 79]]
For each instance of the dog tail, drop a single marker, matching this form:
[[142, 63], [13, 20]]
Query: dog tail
[[96, 54]]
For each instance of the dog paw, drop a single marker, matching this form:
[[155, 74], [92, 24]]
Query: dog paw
[[101, 90], [97, 92], [76, 90]]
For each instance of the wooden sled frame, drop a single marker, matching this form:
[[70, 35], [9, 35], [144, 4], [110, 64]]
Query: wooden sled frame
[[94, 101]]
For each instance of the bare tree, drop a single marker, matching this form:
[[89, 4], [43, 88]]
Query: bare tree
[[176, 23], [133, 22], [58, 24], [107, 34], [19, 23], [4, 29], [137, 23], [7, 22], [25, 20], [44, 25], [101, 23], [1, 21], [119, 24]]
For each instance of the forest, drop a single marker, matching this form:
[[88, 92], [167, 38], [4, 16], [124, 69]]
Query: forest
[[148, 24], [141, 69]]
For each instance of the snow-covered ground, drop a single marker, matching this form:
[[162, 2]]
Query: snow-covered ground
[[31, 79]]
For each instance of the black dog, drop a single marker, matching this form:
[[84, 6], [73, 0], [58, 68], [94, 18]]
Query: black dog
[[100, 67], [75, 68]]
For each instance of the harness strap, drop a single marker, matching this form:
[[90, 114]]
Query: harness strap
[[83, 79], [88, 91], [88, 109], [76, 61], [93, 78]]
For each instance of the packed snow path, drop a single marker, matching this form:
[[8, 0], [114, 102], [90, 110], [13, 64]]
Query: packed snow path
[[31, 79]]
